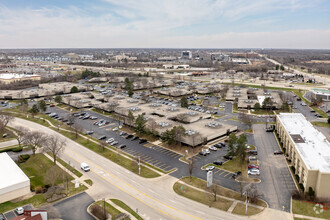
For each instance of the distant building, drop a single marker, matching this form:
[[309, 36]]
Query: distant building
[[186, 55], [14, 183], [7, 78], [309, 152], [324, 94]]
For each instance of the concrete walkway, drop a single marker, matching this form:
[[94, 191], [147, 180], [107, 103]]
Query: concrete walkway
[[120, 209], [307, 217], [8, 143]]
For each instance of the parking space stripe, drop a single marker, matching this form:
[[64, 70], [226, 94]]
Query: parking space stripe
[[165, 168], [162, 166], [177, 156], [156, 164], [226, 175], [221, 172], [217, 171]]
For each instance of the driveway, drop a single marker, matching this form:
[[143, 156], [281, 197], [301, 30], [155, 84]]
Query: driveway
[[276, 181]]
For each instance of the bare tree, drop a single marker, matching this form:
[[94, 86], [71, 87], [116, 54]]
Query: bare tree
[[153, 126], [103, 145], [21, 134], [214, 189], [35, 140], [253, 194], [76, 128], [71, 119], [55, 145], [191, 167], [4, 120]]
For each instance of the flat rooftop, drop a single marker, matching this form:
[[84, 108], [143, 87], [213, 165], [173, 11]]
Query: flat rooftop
[[311, 144], [16, 76], [11, 175]]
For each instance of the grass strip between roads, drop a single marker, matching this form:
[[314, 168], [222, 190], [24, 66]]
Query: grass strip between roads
[[321, 124], [240, 209], [201, 197], [127, 208], [89, 182], [66, 165]]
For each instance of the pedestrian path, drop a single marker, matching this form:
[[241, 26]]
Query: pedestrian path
[[8, 143]]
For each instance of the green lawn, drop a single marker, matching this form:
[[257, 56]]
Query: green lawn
[[89, 182], [232, 165], [201, 197], [63, 163], [240, 209], [37, 166], [127, 208], [321, 124], [36, 200], [10, 135], [109, 208], [307, 208]]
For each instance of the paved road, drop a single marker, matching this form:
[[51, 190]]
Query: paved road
[[276, 181], [154, 198], [8, 143]]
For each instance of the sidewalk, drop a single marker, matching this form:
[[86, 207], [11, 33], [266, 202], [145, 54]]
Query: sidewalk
[[8, 143]]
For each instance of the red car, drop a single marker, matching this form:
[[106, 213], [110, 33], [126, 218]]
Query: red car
[[253, 167], [52, 105]]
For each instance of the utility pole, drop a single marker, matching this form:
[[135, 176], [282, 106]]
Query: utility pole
[[139, 166]]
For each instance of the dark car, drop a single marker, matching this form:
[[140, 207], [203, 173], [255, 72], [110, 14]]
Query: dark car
[[277, 152], [222, 144], [236, 174], [218, 162], [142, 141], [69, 123], [217, 145], [129, 136], [251, 166], [134, 138], [122, 146], [102, 137], [227, 157], [203, 153], [253, 152]]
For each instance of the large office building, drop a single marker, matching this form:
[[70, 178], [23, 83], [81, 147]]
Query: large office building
[[309, 152], [14, 183]]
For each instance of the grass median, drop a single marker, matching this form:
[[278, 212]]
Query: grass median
[[201, 197], [66, 165], [126, 208]]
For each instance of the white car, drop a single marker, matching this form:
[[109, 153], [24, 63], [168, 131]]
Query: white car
[[19, 210], [115, 129], [207, 151], [209, 168], [114, 143], [109, 140], [213, 148], [254, 172]]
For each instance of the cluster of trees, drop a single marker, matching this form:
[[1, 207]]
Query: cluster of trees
[[89, 74], [41, 106], [4, 120], [39, 140], [237, 146], [129, 87], [173, 136], [279, 67], [184, 102]]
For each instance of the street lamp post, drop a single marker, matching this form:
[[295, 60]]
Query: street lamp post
[[139, 163]]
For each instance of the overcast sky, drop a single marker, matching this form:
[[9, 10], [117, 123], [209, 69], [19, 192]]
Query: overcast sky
[[165, 24]]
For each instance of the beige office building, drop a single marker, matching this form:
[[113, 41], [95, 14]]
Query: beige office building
[[309, 152], [13, 181]]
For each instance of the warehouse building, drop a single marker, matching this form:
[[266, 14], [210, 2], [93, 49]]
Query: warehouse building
[[309, 152], [14, 183]]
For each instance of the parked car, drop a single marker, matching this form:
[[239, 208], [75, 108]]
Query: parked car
[[277, 152], [207, 151], [129, 136], [227, 157], [84, 166], [251, 166], [218, 162], [122, 146], [115, 129], [203, 153], [52, 105], [89, 132], [253, 152], [135, 138], [213, 148], [122, 133], [19, 210], [93, 117], [236, 174], [114, 143], [142, 141], [69, 123], [102, 137], [109, 140], [253, 172], [2, 217], [209, 168], [217, 145]]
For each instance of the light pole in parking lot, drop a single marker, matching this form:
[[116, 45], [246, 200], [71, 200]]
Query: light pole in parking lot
[[139, 163]]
